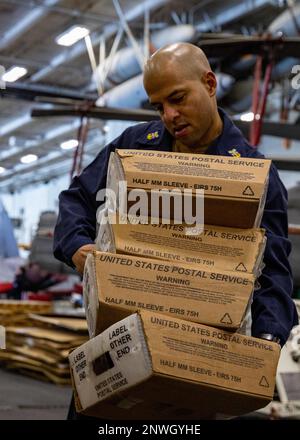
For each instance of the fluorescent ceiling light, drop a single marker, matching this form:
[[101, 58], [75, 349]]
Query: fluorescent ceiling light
[[72, 35], [2, 170], [248, 117], [29, 158], [67, 145], [13, 74]]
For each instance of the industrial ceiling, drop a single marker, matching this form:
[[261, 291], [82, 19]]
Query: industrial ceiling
[[122, 34]]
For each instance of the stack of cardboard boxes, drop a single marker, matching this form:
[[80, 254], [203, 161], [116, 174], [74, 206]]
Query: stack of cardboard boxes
[[182, 355]]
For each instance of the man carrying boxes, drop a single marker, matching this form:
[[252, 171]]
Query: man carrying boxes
[[182, 87]]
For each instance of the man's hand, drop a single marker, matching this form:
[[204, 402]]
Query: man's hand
[[80, 256], [270, 337]]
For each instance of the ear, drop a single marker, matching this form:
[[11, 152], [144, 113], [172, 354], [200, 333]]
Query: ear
[[210, 82]]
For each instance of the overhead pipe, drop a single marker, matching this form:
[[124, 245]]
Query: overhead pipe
[[125, 64], [109, 30], [222, 17], [225, 14], [131, 93], [286, 24], [76, 51], [14, 124]]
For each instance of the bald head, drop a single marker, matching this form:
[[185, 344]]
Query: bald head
[[181, 86], [190, 60]]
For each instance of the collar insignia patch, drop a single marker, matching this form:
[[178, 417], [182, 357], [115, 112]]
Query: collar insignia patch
[[153, 135], [234, 152]]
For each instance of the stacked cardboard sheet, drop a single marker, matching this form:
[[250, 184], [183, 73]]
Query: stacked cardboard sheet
[[12, 311]]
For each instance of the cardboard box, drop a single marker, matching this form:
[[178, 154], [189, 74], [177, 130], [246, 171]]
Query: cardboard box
[[234, 188], [149, 366], [215, 248], [114, 285]]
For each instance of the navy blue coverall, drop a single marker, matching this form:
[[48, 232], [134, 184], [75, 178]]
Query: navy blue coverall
[[273, 310]]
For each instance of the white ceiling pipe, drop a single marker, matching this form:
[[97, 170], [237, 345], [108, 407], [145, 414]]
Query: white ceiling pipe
[[75, 52], [131, 93], [285, 24], [109, 30], [222, 17], [229, 13], [125, 64]]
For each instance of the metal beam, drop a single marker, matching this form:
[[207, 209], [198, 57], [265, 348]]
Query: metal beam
[[100, 113], [30, 92], [287, 165], [278, 129], [138, 53], [279, 47]]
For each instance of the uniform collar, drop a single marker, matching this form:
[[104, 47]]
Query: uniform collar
[[158, 137], [229, 141]]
